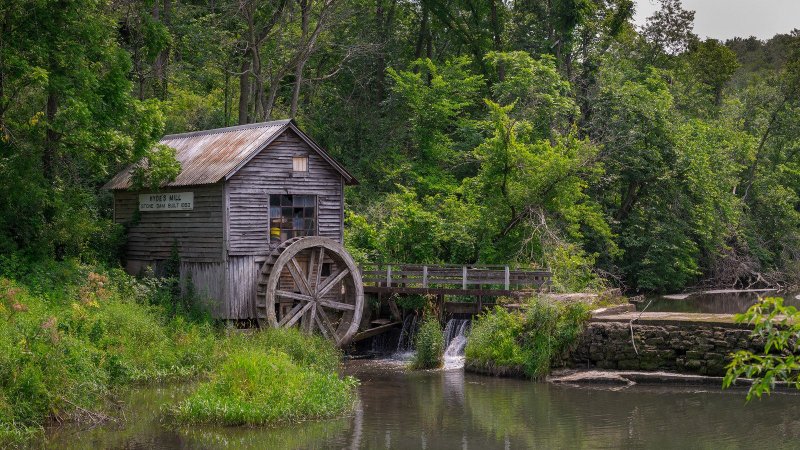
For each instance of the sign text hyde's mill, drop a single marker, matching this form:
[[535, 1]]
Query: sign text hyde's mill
[[172, 201]]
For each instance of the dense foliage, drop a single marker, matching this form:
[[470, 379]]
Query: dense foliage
[[530, 342], [779, 328], [540, 133]]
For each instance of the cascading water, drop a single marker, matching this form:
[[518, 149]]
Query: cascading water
[[455, 340], [405, 345]]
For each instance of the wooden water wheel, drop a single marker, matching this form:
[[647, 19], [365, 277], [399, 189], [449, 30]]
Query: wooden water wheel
[[312, 282]]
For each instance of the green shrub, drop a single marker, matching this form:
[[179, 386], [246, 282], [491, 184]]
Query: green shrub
[[549, 331], [493, 344], [504, 342], [429, 343], [266, 387]]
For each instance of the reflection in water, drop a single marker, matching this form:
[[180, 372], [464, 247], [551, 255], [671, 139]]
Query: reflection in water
[[449, 409]]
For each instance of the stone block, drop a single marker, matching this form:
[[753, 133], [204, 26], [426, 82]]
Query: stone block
[[694, 354], [654, 341], [677, 344], [693, 364], [703, 347], [720, 343]]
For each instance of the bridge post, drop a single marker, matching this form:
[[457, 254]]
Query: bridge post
[[425, 277], [507, 279], [389, 275], [464, 277]]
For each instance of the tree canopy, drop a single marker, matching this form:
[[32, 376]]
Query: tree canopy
[[540, 133]]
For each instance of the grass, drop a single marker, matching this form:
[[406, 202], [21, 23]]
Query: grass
[[429, 344], [71, 334], [528, 343], [254, 387]]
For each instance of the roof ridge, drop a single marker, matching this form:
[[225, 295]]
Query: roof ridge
[[227, 129]]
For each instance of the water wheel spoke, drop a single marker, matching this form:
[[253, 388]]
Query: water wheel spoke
[[292, 319], [294, 296], [308, 318], [292, 312], [326, 326], [315, 273], [337, 305], [331, 281], [326, 332], [297, 275]]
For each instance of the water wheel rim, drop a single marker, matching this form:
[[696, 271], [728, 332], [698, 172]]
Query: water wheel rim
[[313, 301]]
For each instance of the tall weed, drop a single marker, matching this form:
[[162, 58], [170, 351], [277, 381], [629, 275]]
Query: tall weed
[[429, 344]]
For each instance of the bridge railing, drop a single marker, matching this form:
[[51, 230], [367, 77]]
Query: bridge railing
[[451, 279]]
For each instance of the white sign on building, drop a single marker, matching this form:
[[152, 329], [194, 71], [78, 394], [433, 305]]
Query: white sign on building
[[171, 201]]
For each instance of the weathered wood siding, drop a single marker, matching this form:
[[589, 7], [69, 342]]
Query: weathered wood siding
[[151, 234], [242, 280], [270, 172], [208, 284]]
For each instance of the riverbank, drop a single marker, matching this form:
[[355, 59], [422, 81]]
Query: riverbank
[[73, 335]]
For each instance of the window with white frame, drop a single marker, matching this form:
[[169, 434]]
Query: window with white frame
[[300, 163]]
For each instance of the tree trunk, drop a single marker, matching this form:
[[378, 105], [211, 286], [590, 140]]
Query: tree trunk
[[244, 91], [261, 112], [423, 31], [305, 11], [51, 137], [498, 39], [227, 104], [269, 100], [298, 80]]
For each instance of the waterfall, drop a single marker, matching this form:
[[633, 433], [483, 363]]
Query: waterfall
[[406, 342], [455, 339]]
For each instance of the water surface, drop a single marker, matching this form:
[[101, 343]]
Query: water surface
[[715, 303], [450, 409]]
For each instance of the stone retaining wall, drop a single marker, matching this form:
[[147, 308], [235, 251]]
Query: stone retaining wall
[[680, 347]]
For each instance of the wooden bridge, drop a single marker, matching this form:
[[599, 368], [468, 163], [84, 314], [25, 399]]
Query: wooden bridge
[[479, 281], [448, 279]]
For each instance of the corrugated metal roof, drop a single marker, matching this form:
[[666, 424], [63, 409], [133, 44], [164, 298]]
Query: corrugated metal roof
[[207, 157]]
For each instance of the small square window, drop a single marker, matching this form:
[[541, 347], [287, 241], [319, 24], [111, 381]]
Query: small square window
[[300, 163]]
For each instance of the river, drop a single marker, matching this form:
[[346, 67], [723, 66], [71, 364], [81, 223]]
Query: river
[[451, 409]]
